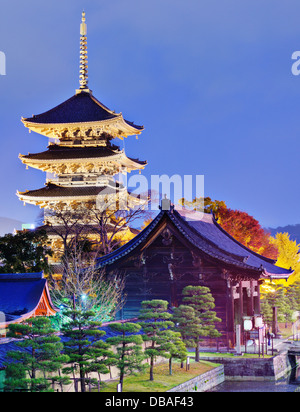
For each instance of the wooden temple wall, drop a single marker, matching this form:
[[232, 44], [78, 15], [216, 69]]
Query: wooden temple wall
[[159, 286], [230, 306], [163, 272]]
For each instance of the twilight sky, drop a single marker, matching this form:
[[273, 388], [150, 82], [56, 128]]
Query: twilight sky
[[210, 80]]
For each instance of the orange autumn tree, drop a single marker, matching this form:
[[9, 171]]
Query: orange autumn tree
[[240, 225], [247, 230]]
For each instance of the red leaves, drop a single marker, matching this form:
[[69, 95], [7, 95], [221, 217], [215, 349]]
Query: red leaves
[[247, 230]]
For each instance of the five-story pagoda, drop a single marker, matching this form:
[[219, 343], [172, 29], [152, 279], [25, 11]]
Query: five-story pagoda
[[80, 159]]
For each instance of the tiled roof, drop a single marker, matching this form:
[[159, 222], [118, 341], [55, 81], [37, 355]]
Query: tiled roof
[[82, 107], [20, 293], [52, 191], [203, 232], [60, 152], [205, 227], [56, 152]]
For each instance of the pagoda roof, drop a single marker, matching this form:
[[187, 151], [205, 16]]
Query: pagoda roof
[[57, 153], [82, 108], [20, 295], [53, 191], [203, 233]]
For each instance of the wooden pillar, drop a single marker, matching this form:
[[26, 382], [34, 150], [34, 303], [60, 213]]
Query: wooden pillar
[[230, 315], [241, 303], [257, 302], [251, 299]]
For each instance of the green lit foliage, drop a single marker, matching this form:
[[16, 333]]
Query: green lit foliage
[[83, 287]]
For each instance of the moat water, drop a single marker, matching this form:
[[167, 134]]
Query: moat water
[[290, 383]]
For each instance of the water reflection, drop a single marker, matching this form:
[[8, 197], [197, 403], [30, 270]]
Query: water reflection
[[290, 383], [295, 377]]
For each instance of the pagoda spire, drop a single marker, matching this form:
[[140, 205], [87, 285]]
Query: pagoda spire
[[83, 68]]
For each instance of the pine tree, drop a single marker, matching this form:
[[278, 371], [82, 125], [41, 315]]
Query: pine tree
[[172, 346], [101, 358], [189, 325], [202, 301], [155, 319], [130, 354], [83, 335], [40, 356]]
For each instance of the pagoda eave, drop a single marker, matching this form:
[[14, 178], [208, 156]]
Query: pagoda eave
[[75, 194], [116, 161], [116, 126]]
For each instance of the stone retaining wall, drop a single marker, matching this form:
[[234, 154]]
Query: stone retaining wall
[[254, 369], [202, 382]]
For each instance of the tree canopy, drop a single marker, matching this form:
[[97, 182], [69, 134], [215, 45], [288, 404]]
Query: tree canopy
[[288, 255], [24, 252]]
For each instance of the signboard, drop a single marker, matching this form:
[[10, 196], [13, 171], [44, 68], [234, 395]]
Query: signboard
[[253, 334]]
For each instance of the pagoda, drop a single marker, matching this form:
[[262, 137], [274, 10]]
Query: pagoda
[[81, 161]]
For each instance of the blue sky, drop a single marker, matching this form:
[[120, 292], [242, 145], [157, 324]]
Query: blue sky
[[210, 80]]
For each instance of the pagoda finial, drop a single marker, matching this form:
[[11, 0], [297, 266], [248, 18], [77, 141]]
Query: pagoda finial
[[83, 68]]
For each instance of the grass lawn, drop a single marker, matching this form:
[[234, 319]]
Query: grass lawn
[[162, 380]]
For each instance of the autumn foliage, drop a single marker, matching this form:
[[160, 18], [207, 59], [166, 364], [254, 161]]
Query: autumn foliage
[[247, 230], [241, 226]]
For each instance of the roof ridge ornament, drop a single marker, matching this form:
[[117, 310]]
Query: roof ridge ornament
[[83, 67], [166, 204]]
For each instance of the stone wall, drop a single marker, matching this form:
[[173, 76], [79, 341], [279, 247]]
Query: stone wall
[[254, 369], [202, 382]]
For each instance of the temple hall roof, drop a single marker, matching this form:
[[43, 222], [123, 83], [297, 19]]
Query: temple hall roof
[[20, 295], [204, 233]]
